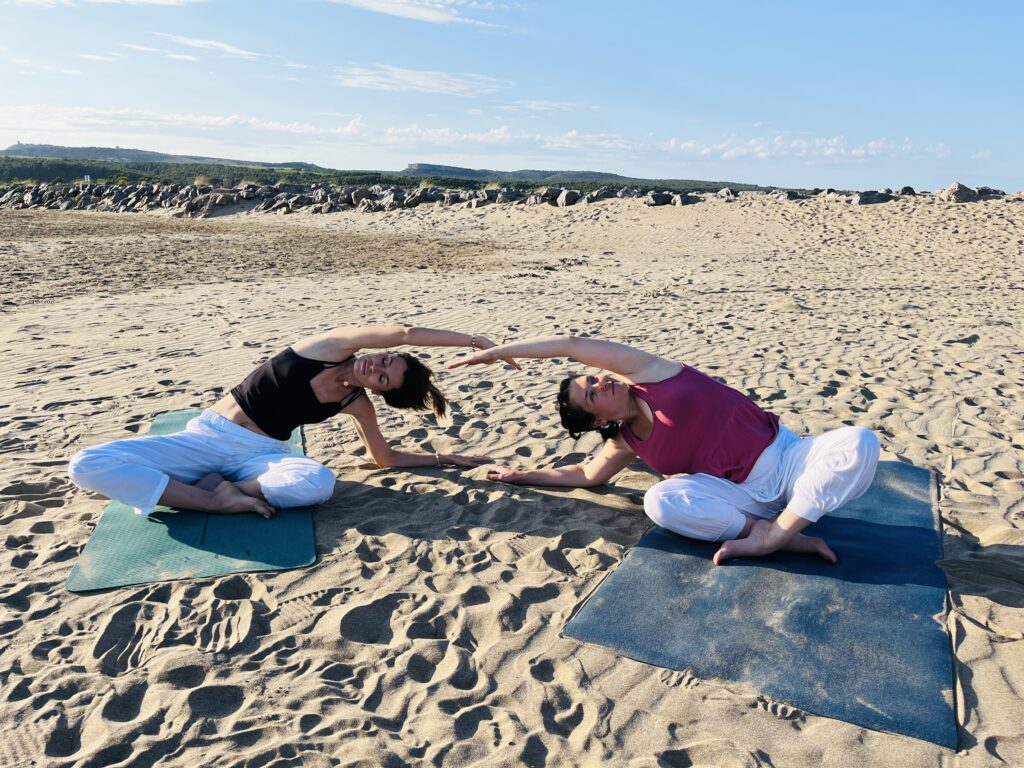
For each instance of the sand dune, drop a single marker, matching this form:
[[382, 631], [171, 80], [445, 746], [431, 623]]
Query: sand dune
[[428, 632]]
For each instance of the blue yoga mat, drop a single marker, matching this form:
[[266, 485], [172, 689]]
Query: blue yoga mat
[[173, 544], [862, 641]]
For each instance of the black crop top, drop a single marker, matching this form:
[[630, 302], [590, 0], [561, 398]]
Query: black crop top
[[278, 395]]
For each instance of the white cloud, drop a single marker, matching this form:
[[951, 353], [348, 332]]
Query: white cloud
[[141, 48], [30, 67], [55, 3], [834, 148], [540, 106], [181, 57], [97, 57], [414, 135], [384, 77], [432, 11], [575, 141], [212, 45], [48, 119]]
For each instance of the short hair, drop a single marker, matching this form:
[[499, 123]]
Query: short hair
[[416, 389], [576, 420]]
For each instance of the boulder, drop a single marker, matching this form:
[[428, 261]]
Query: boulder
[[568, 197], [684, 198], [657, 198], [360, 194], [958, 193], [726, 194], [909, 191], [550, 193], [988, 193], [870, 198]]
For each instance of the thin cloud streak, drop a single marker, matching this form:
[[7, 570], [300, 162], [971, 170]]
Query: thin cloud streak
[[430, 11], [384, 77], [212, 45], [47, 118]]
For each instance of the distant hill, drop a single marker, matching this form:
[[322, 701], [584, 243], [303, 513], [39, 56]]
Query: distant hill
[[51, 162], [122, 155], [426, 170]]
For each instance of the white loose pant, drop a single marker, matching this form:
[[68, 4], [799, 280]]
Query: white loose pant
[[136, 471], [812, 476]]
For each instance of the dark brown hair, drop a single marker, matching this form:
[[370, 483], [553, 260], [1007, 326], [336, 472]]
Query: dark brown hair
[[576, 420], [416, 389]]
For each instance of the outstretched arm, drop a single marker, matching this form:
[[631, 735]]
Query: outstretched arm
[[339, 343], [633, 363], [613, 457], [365, 417]]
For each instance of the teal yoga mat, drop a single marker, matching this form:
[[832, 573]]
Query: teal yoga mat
[[174, 544], [862, 641]]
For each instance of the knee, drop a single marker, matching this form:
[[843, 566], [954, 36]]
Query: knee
[[87, 464], [321, 484], [868, 447], [654, 503], [313, 485]]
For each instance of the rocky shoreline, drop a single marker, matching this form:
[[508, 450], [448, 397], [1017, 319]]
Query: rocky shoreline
[[199, 201]]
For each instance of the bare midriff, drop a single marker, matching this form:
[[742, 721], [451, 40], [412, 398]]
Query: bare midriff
[[229, 408]]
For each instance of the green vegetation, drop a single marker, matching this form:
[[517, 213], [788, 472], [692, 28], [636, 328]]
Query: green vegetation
[[50, 170]]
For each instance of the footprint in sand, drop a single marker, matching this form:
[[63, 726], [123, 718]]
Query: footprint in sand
[[215, 701]]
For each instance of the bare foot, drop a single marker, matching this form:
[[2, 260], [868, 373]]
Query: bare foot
[[811, 545], [230, 499]]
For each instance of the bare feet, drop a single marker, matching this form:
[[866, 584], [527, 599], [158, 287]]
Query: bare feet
[[756, 545], [230, 499]]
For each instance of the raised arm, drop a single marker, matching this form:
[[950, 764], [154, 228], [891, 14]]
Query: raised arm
[[630, 362], [613, 457], [339, 343]]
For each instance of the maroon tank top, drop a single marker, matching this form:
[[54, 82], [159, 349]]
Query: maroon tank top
[[701, 426], [278, 397]]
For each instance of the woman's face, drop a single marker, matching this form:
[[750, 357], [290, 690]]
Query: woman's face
[[605, 397], [380, 372]]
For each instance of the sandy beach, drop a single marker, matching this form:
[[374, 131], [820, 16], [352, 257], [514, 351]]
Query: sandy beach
[[428, 631]]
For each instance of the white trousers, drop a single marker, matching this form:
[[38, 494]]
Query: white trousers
[[811, 476], [136, 471]]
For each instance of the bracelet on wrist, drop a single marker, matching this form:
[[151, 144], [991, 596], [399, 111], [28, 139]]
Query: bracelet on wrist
[[437, 458], [472, 341]]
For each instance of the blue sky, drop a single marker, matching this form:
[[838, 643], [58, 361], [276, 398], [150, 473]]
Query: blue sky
[[797, 94]]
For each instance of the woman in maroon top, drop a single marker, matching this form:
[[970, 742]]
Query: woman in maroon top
[[234, 456], [744, 479]]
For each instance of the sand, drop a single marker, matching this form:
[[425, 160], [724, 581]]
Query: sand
[[428, 632]]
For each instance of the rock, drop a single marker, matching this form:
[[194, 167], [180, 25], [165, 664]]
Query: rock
[[958, 193], [785, 194], [909, 191], [416, 197], [358, 195], [508, 196], [684, 198], [885, 191], [567, 197], [657, 198], [534, 200], [726, 194], [550, 193], [988, 193], [870, 198]]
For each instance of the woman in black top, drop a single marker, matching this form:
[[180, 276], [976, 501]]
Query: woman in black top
[[233, 457]]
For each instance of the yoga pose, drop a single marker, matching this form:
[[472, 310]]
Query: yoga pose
[[746, 481], [234, 456]]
